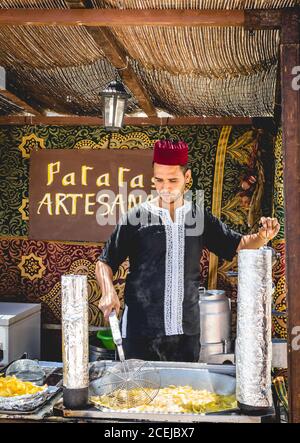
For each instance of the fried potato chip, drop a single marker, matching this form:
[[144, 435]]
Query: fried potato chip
[[177, 399], [11, 386]]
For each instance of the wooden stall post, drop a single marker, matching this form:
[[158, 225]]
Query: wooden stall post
[[290, 91]]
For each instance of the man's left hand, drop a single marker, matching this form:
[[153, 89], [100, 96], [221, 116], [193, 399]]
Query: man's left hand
[[269, 228]]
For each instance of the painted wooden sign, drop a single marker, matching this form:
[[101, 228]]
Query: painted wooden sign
[[80, 195]]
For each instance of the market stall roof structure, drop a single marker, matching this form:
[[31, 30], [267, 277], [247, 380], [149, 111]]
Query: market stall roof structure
[[181, 58], [183, 62]]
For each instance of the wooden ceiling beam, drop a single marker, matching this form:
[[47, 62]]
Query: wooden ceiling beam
[[115, 52], [13, 98], [263, 19], [141, 17], [74, 120], [117, 55]]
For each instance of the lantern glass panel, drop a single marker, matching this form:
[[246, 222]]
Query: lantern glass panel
[[108, 111], [119, 114]]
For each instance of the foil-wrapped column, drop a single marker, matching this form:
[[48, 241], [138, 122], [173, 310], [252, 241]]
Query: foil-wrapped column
[[254, 339], [75, 345]]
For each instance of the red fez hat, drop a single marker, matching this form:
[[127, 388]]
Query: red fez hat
[[167, 152]]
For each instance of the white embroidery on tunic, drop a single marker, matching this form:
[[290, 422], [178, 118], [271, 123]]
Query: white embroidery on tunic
[[170, 303], [180, 262], [174, 276]]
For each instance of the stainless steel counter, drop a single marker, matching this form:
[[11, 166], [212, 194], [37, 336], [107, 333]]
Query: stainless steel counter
[[53, 411]]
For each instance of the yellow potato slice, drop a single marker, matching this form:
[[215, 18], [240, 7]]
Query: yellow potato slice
[[11, 386]]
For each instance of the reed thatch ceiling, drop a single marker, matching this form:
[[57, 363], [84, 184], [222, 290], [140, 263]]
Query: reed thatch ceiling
[[184, 71]]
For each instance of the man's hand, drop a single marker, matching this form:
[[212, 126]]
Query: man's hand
[[109, 299], [269, 228], [108, 303]]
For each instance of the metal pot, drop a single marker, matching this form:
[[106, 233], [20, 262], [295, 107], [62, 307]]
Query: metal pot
[[208, 349], [215, 321], [97, 353]]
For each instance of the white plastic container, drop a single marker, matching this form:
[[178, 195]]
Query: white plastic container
[[20, 331]]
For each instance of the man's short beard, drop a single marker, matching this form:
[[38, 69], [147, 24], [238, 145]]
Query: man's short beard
[[173, 198]]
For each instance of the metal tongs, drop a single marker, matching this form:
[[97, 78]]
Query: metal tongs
[[116, 333]]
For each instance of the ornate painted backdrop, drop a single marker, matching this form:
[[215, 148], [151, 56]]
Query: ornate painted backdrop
[[279, 299], [229, 163]]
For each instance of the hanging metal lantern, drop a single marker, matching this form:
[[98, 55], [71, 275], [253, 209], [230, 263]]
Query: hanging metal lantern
[[114, 99]]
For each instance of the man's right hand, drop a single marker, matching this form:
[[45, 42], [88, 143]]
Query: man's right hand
[[108, 303]]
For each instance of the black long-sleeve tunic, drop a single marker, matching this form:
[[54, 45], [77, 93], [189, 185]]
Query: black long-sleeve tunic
[[161, 290]]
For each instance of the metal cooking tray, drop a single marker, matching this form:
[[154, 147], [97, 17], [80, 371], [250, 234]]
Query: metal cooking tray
[[219, 379], [196, 378], [54, 382]]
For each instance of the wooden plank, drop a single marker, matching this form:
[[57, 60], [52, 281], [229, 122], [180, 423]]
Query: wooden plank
[[121, 17], [18, 101], [262, 19], [277, 107], [74, 120], [290, 58], [118, 56]]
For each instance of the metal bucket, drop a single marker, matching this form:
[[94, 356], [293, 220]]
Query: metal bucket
[[215, 322]]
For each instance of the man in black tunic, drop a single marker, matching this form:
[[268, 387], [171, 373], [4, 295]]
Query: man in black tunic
[[163, 239]]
